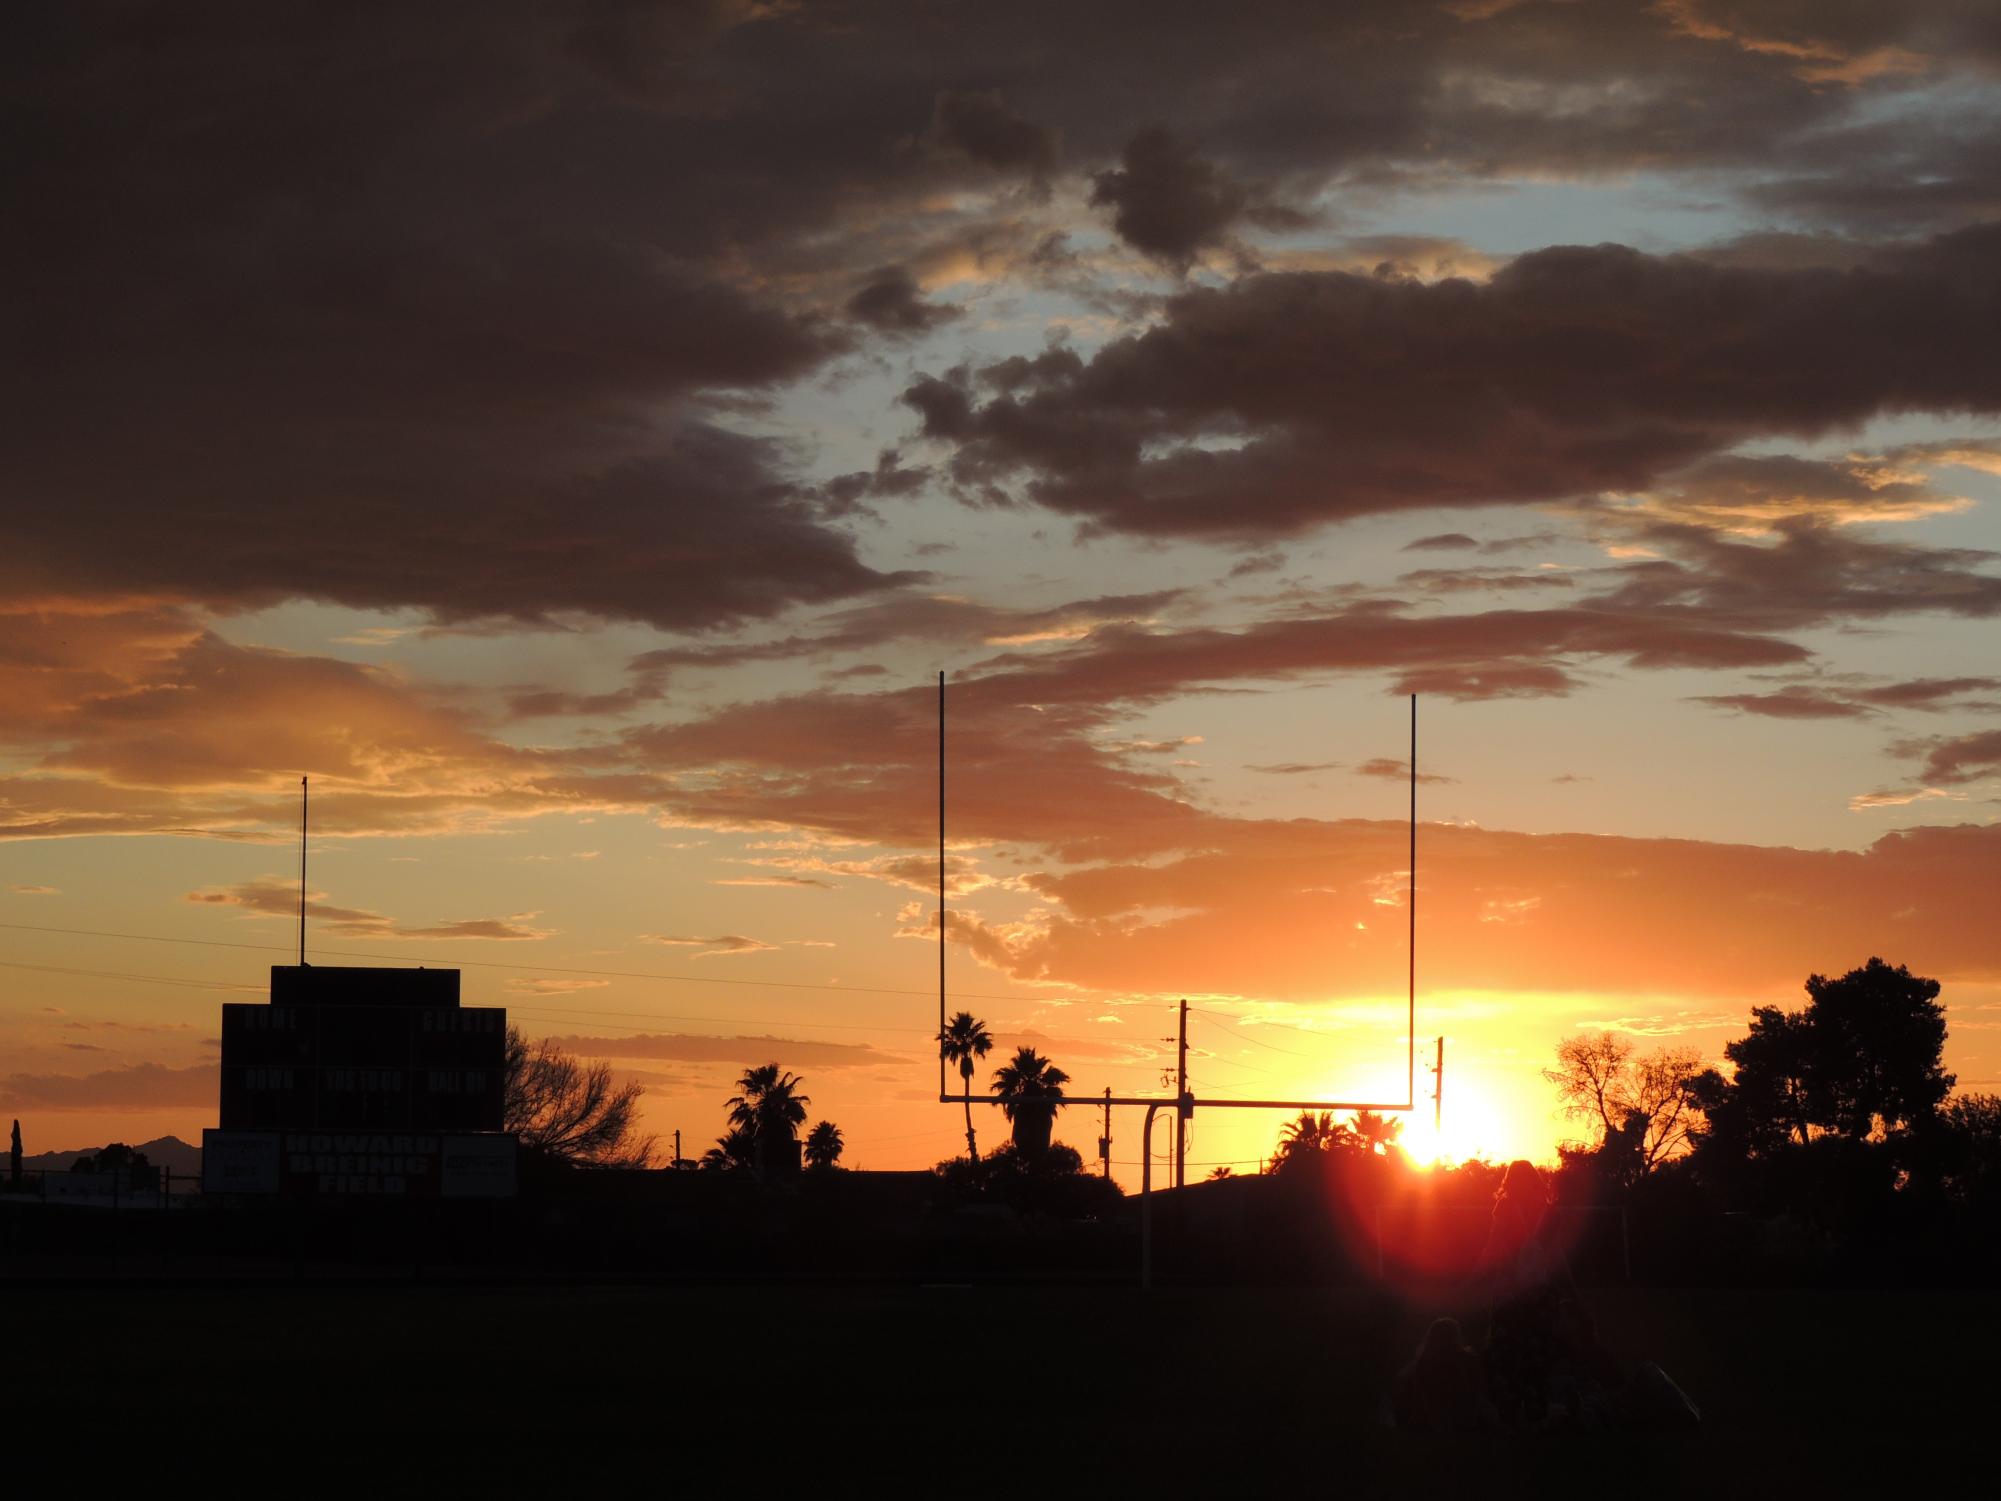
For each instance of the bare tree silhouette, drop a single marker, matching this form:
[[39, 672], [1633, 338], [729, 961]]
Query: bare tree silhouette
[[571, 1111], [1643, 1105]]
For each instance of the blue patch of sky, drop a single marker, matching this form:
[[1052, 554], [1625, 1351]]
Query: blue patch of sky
[[1650, 211]]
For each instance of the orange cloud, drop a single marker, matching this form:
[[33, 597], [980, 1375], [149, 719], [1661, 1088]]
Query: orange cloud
[[1292, 911], [729, 944], [272, 896]]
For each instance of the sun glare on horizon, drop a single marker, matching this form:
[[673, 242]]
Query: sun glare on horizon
[[1470, 1125]]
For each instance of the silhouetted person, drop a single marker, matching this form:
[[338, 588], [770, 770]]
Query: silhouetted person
[[1528, 1279], [1443, 1389], [1588, 1382]]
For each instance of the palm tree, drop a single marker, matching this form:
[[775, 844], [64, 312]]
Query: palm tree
[[823, 1145], [1023, 1085], [736, 1150], [1378, 1133], [963, 1041], [769, 1109], [1309, 1136]]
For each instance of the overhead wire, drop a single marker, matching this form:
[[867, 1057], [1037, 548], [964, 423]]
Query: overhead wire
[[1260, 1021], [106, 974], [1246, 1036], [553, 969], [1213, 1057], [1271, 1047], [591, 1016]]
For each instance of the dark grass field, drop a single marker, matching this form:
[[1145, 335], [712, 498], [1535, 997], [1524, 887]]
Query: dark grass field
[[703, 1390]]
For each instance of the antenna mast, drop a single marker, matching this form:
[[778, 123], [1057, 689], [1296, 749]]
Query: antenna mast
[[1410, 904], [304, 793]]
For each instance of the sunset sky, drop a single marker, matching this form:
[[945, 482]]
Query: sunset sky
[[576, 436]]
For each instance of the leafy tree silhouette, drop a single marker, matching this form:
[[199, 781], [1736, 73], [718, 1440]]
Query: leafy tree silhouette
[[1862, 1058], [823, 1146], [1881, 1035], [1025, 1084], [131, 1168], [1973, 1148], [963, 1041]]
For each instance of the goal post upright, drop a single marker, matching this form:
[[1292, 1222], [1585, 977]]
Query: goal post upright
[[1185, 1103]]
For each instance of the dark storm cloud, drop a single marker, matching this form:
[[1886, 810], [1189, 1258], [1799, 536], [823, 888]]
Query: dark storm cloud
[[392, 307], [1890, 180], [1290, 400], [1820, 37], [1034, 745], [979, 123], [377, 311], [891, 302], [1777, 486], [1485, 654], [1169, 203], [1809, 573]]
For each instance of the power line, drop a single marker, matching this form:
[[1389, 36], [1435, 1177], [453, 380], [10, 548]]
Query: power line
[[538, 1013], [553, 969], [1260, 1021], [1247, 1037], [1252, 1067], [558, 1013], [106, 974], [1217, 1162]]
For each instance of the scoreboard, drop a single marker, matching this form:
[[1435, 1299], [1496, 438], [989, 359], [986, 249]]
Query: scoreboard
[[377, 1164], [362, 1067], [354, 1080]]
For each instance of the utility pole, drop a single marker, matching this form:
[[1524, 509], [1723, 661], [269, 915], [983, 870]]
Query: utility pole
[[1438, 1090], [1180, 1101], [304, 795], [677, 1146], [1105, 1141]]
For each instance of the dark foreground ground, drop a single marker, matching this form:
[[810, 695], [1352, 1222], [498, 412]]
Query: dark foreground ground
[[1032, 1391]]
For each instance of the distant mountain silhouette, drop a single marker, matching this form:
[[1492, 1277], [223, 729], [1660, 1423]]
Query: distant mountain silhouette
[[168, 1152]]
